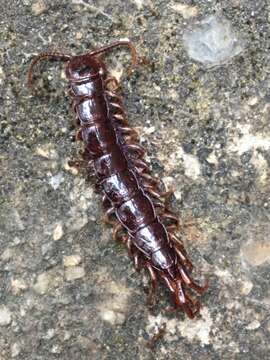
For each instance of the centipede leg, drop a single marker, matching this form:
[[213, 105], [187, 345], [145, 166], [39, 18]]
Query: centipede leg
[[179, 297], [161, 331], [106, 202], [182, 301], [195, 304], [83, 166], [78, 135], [146, 264], [140, 165], [118, 228], [107, 215], [136, 261], [181, 252], [172, 228], [119, 234], [152, 289], [115, 87], [131, 135], [151, 190], [183, 259], [127, 241], [84, 163], [187, 280], [169, 215], [134, 151], [147, 178], [167, 196]]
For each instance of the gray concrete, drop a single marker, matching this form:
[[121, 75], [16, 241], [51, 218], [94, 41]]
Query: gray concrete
[[67, 290]]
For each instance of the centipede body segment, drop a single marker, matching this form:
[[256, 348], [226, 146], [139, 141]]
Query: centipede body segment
[[131, 197]]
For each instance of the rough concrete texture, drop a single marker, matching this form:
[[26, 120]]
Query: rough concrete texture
[[67, 290]]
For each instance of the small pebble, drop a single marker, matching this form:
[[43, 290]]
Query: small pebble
[[43, 283], [58, 232], [16, 240], [112, 317], [255, 324], [71, 260], [148, 130], [39, 8], [76, 223], [212, 159], [15, 350], [50, 334], [56, 349], [109, 316], [79, 35], [5, 316], [56, 180], [185, 10], [48, 280], [11, 219], [257, 252], [66, 335], [191, 164], [46, 151], [72, 169], [246, 287], [253, 101], [18, 285], [139, 3], [2, 75], [74, 272], [8, 254]]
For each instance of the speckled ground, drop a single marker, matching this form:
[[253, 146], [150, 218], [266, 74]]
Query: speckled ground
[[67, 290]]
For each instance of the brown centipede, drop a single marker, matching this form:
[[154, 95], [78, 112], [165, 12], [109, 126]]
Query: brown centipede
[[131, 196]]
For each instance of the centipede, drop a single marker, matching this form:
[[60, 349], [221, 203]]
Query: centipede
[[133, 199]]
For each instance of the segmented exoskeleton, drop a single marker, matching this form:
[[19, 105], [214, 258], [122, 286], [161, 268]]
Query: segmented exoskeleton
[[131, 195]]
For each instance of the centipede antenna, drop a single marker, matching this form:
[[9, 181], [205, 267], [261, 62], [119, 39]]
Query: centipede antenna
[[40, 57], [134, 58]]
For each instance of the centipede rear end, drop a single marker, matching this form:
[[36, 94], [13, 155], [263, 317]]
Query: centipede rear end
[[131, 196]]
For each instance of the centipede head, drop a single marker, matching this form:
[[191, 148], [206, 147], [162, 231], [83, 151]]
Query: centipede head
[[84, 67]]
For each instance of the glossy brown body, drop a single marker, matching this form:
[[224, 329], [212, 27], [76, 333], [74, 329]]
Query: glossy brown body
[[130, 194], [118, 179]]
